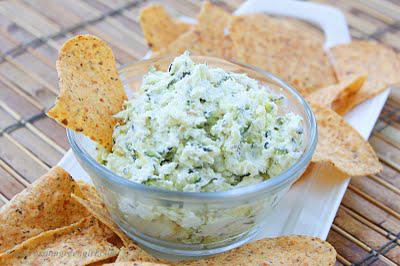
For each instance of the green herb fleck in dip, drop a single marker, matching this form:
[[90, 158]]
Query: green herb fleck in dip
[[196, 128]]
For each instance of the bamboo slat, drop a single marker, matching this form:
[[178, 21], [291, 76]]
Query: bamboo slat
[[53, 131], [390, 175], [18, 100], [42, 71], [20, 79], [360, 244], [5, 44], [387, 7], [5, 119], [24, 164], [32, 128], [364, 234], [37, 146], [390, 134], [346, 248], [369, 217], [12, 172], [374, 189], [384, 183], [27, 17], [54, 11], [392, 39], [371, 225], [9, 185], [386, 152], [370, 211]]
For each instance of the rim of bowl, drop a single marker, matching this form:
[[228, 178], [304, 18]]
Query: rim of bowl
[[267, 185]]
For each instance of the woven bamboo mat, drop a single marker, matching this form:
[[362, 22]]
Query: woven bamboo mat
[[367, 226]]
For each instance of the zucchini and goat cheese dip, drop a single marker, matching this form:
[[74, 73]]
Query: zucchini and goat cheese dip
[[195, 128]]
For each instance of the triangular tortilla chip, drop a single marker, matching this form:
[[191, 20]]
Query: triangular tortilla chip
[[44, 205], [283, 50], [88, 192], [91, 91], [341, 145], [337, 93], [208, 37], [159, 28], [134, 253], [99, 210], [78, 244], [379, 62], [286, 250], [135, 263]]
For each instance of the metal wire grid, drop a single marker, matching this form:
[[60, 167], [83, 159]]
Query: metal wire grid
[[390, 117], [373, 256]]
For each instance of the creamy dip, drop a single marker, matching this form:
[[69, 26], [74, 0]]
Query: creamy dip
[[201, 129]]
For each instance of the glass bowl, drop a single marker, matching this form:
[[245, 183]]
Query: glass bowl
[[194, 224]]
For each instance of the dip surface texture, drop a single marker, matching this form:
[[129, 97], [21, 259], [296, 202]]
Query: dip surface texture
[[196, 128]]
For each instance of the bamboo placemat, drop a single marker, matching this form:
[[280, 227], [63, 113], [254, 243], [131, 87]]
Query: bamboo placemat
[[367, 226]]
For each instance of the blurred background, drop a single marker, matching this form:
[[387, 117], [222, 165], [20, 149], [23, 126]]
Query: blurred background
[[367, 226]]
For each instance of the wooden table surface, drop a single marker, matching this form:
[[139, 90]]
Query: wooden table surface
[[366, 229]]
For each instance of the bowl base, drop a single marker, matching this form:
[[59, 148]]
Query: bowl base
[[177, 254]]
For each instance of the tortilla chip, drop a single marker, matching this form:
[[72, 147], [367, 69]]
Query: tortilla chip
[[134, 253], [379, 62], [306, 29], [208, 37], [286, 250], [103, 262], [159, 28], [135, 263], [78, 244], [99, 210], [337, 93], [88, 192], [45, 205], [341, 145], [283, 50], [90, 89], [91, 198]]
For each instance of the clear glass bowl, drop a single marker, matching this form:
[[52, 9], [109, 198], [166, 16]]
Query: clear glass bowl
[[193, 224]]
